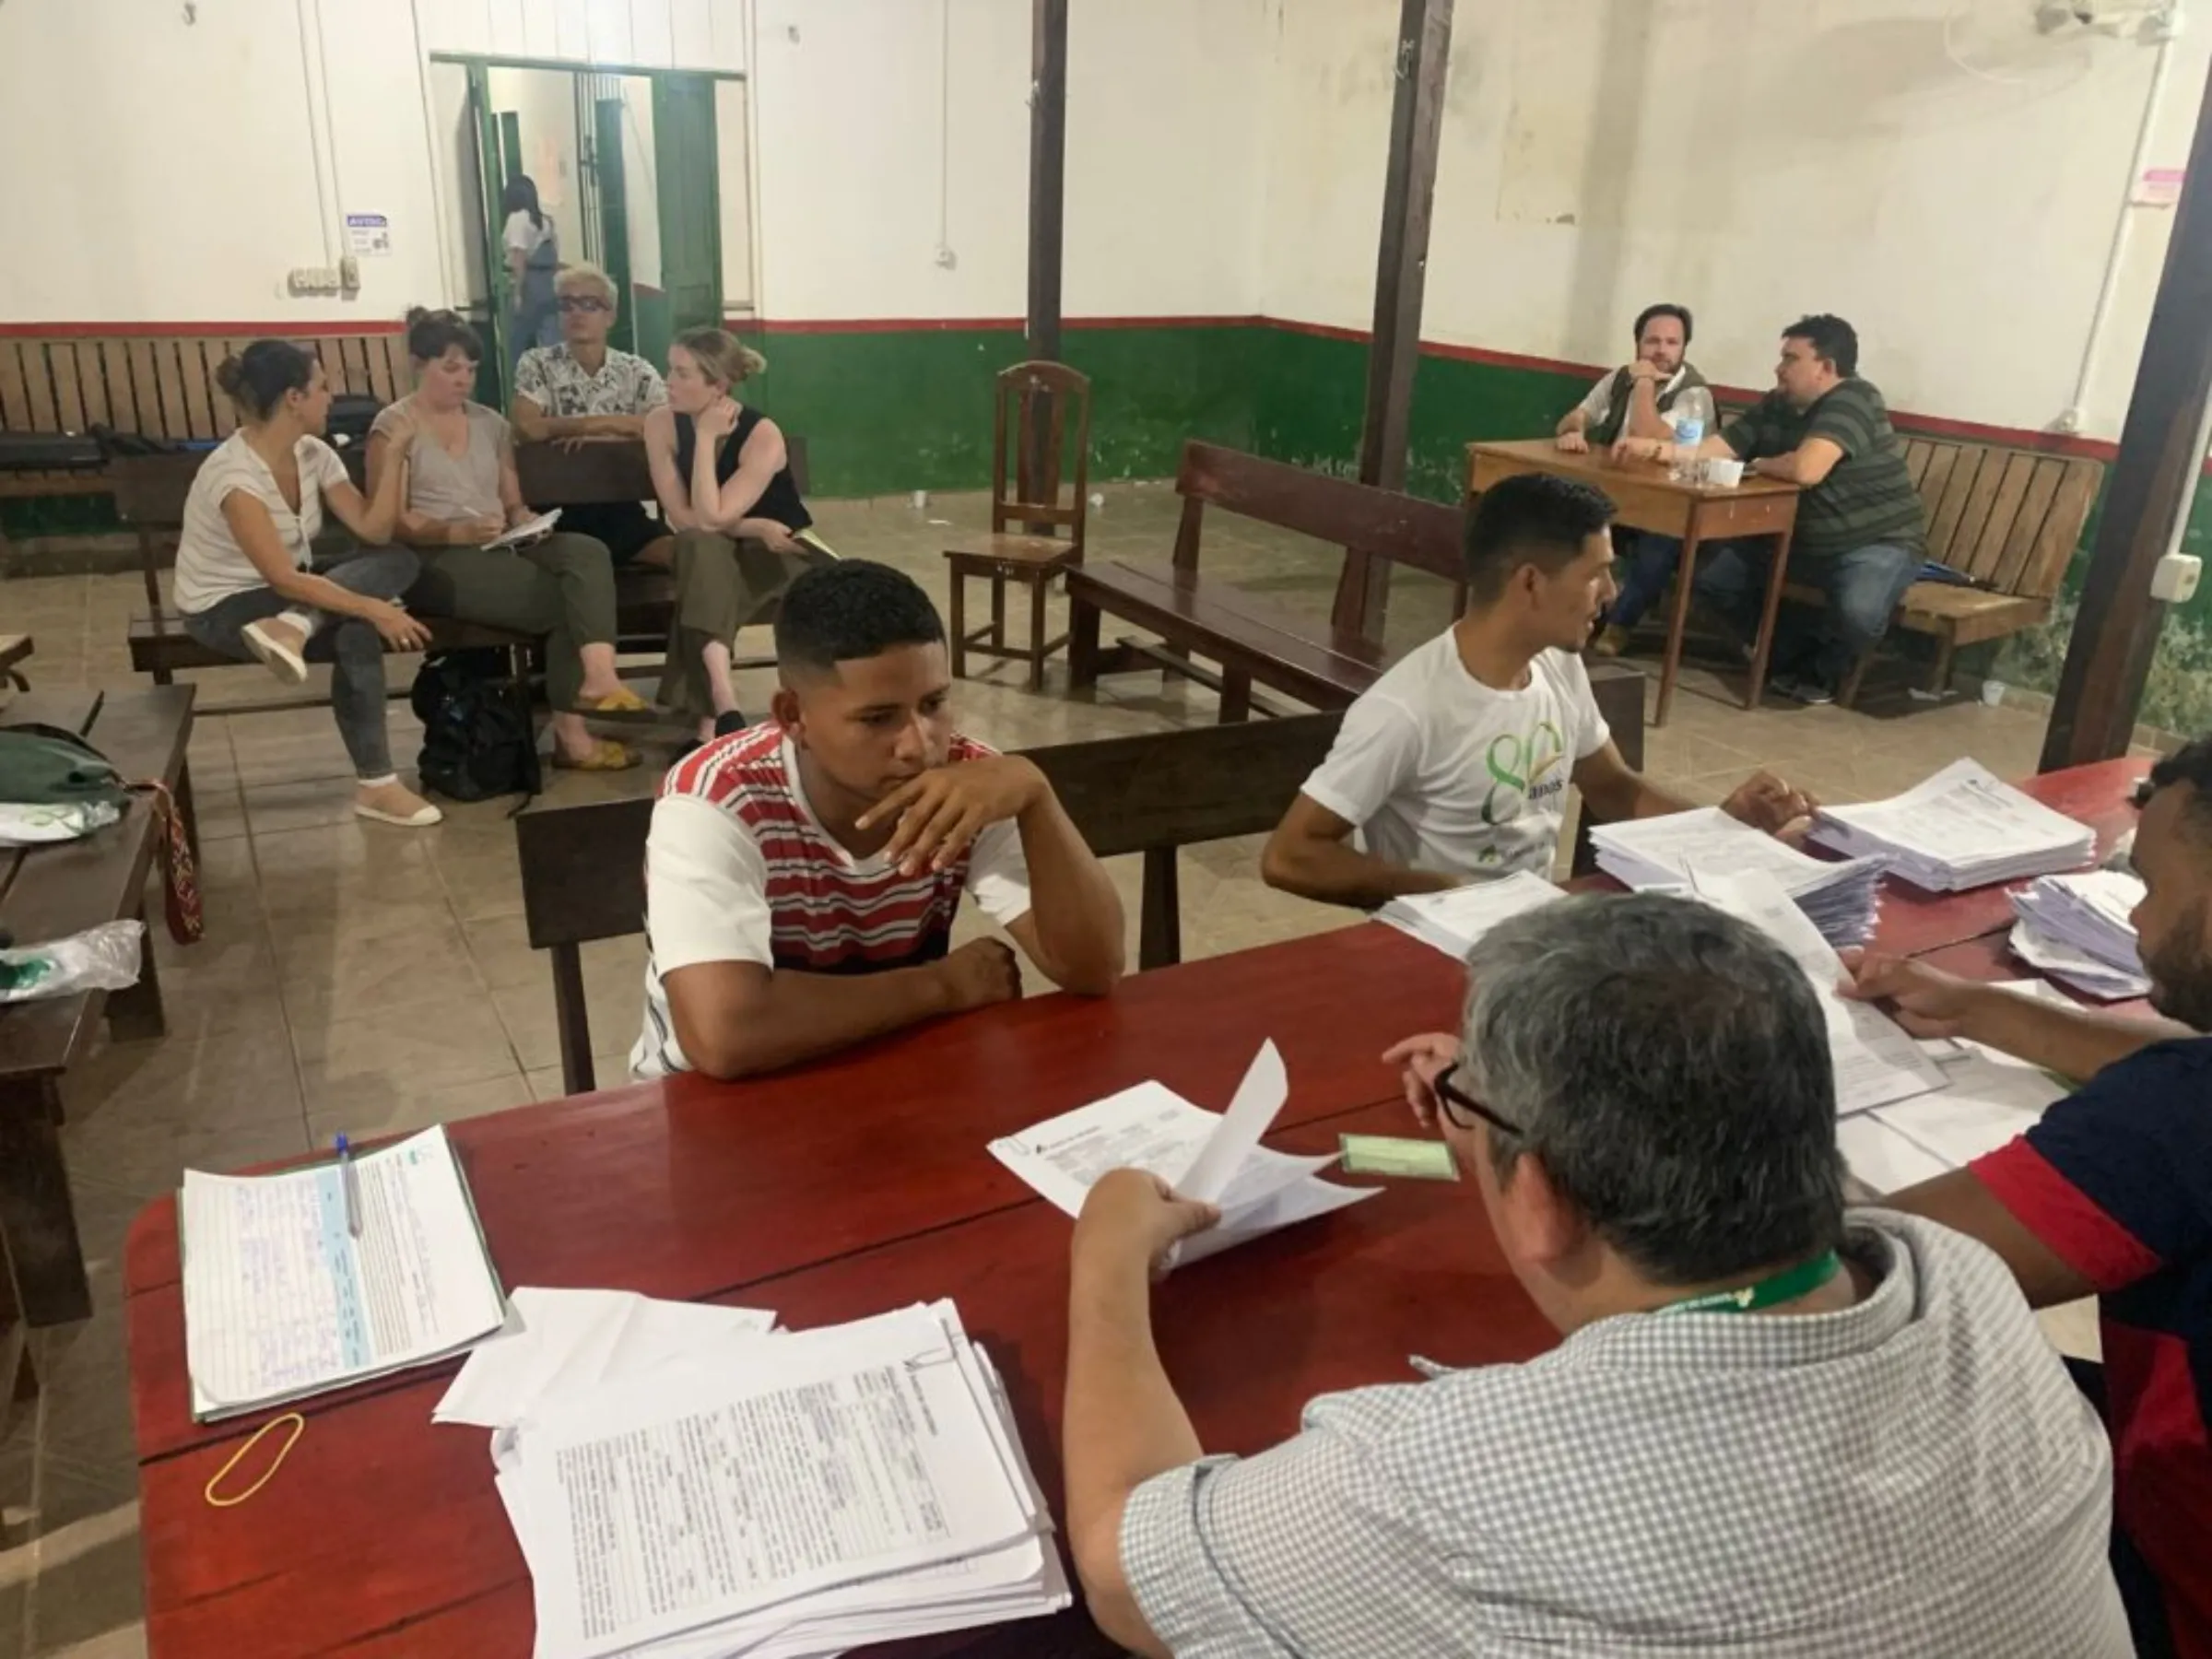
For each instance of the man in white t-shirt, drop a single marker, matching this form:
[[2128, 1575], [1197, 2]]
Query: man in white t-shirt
[[802, 875], [1453, 766]]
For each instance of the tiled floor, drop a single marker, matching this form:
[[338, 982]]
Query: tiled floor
[[349, 969]]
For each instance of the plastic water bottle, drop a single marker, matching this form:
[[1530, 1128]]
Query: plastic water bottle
[[1693, 419]]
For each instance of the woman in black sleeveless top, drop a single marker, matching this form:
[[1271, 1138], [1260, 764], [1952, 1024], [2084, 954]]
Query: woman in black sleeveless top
[[723, 480]]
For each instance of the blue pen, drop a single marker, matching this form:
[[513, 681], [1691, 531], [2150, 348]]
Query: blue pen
[[351, 1182]]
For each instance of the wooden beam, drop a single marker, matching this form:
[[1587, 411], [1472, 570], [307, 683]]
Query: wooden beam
[[1048, 167], [1417, 120], [2161, 453]]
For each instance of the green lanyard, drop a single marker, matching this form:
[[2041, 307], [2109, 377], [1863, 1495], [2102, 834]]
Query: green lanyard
[[1786, 1286]]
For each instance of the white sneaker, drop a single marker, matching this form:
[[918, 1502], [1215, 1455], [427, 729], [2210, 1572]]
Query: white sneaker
[[278, 654]]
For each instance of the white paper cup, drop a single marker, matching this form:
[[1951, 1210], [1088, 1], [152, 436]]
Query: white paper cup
[[1721, 474]]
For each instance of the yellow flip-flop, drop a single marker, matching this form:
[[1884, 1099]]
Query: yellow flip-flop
[[620, 704], [606, 756]]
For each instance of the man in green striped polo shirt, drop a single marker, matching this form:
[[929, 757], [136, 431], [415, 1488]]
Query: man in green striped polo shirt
[[1861, 535]]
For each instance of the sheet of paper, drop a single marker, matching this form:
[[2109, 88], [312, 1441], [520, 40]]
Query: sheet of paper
[[1249, 1116], [558, 1341], [281, 1299], [1146, 1127], [655, 1510], [1989, 1098], [1883, 1159], [1454, 920], [1709, 837], [1876, 1060], [527, 532]]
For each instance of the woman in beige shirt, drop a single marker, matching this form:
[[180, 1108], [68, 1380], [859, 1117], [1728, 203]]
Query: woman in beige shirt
[[462, 492]]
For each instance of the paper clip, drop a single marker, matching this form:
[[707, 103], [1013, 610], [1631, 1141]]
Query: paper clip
[[292, 1420]]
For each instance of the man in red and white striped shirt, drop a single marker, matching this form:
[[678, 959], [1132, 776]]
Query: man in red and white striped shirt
[[802, 875]]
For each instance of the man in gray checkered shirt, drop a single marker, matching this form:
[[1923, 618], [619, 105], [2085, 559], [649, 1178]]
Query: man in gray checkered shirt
[[1769, 1429]]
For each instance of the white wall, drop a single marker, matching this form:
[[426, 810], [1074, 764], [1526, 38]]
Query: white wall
[[886, 124], [1754, 160]]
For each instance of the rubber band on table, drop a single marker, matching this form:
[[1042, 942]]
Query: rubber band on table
[[292, 1419]]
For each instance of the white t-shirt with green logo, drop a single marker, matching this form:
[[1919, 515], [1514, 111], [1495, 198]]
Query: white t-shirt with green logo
[[1442, 772]]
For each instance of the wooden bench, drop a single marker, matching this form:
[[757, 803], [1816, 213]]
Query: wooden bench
[[49, 893], [583, 867], [158, 386], [1256, 642], [2008, 518], [150, 493]]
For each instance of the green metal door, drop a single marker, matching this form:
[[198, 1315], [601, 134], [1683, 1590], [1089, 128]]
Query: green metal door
[[690, 199], [614, 216], [492, 134]]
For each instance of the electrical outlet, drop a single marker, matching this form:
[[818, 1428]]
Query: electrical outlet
[[2175, 578], [312, 279]]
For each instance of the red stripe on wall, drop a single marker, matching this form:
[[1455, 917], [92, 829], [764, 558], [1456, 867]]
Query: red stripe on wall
[[290, 329]]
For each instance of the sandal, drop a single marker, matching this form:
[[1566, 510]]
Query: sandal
[[606, 756], [621, 703]]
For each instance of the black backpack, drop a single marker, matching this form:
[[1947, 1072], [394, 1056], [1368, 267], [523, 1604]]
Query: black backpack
[[478, 737]]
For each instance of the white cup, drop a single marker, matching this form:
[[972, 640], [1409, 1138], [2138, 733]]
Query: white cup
[[1719, 474]]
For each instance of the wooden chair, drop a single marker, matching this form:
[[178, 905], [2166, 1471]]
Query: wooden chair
[[1043, 393], [583, 867]]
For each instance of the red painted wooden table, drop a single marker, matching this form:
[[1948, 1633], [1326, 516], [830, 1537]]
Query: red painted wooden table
[[855, 1185]]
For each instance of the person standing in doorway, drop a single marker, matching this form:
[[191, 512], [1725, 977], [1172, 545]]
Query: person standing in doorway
[[722, 472], [533, 249], [582, 391]]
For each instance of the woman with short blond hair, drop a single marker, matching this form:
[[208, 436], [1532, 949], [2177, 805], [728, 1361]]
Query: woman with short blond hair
[[723, 474]]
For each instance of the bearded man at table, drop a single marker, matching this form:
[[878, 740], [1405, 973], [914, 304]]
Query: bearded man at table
[[802, 875], [2110, 1195], [1453, 766], [1770, 1427]]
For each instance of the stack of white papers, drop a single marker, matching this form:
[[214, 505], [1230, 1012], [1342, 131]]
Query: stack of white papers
[[1987, 1099], [1876, 1062], [2077, 928], [282, 1300], [1215, 1158], [1963, 827], [1668, 852], [1452, 920], [686, 1484]]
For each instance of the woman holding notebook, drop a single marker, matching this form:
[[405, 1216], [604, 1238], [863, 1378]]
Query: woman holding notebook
[[461, 502]]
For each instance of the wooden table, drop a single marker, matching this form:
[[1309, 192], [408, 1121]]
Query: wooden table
[[49, 893], [1644, 497], [850, 1187]]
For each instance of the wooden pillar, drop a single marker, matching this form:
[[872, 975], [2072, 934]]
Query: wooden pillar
[[2161, 451], [1038, 479], [1417, 120], [1048, 167]]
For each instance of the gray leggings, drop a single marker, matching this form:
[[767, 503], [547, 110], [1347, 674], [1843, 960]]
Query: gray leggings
[[562, 587], [353, 648], [721, 586]]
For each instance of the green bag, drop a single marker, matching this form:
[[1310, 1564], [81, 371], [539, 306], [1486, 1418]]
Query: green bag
[[43, 766]]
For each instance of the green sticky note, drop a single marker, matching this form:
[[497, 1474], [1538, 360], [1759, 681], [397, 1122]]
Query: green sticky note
[[1389, 1155]]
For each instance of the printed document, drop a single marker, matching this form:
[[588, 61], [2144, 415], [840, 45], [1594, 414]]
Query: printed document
[[281, 1300]]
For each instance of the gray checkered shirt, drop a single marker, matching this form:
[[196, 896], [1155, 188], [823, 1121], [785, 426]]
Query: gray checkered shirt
[[556, 382], [1915, 1474]]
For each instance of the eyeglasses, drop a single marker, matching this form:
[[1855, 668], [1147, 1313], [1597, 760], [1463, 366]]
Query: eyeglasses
[[1449, 1094], [586, 302]]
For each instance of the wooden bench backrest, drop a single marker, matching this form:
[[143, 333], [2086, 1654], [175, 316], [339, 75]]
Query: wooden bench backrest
[[1381, 523], [163, 386], [552, 477], [2008, 518], [583, 867]]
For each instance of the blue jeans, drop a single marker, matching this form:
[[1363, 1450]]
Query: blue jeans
[[1862, 586], [1651, 559]]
